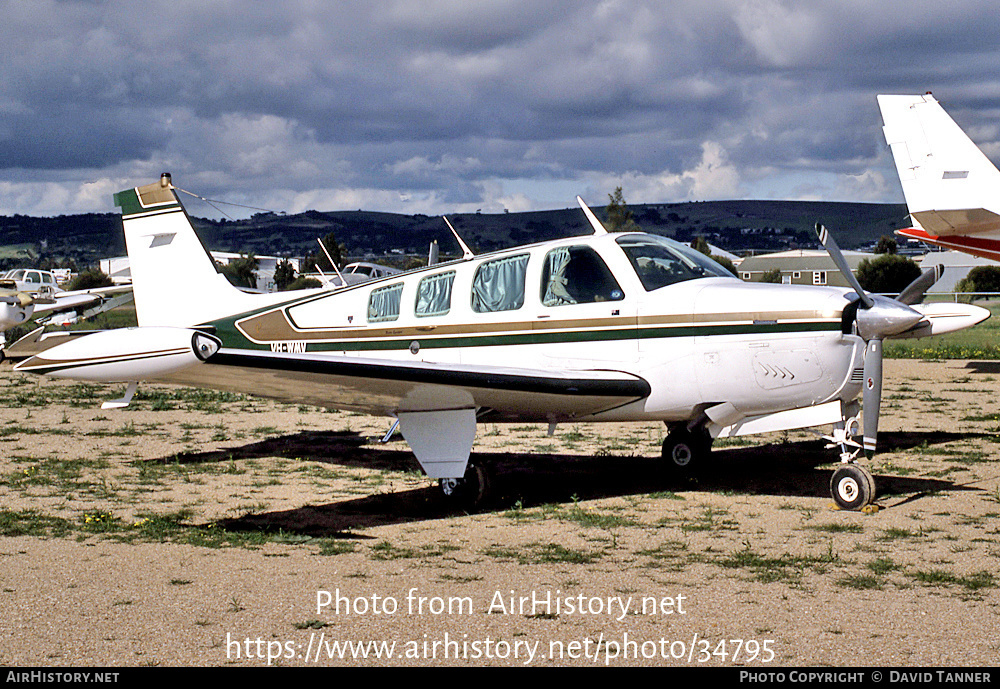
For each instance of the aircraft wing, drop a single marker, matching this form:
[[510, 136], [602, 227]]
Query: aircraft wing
[[80, 300], [437, 405], [389, 387]]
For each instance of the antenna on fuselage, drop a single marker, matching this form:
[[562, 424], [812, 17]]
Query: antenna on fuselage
[[343, 282], [594, 222], [466, 251]]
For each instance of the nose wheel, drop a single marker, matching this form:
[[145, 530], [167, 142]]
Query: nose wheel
[[852, 487]]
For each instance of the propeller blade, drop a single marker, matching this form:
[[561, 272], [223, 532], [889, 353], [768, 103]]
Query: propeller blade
[[826, 239], [18, 298], [914, 292], [871, 398]]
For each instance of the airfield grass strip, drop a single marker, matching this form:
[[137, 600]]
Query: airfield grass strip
[[932, 351], [154, 528]]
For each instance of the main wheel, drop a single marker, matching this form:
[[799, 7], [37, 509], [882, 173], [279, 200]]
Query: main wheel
[[852, 487], [684, 450], [468, 492]]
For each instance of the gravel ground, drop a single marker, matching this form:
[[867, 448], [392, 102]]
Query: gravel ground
[[208, 529]]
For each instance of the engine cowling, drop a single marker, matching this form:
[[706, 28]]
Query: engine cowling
[[13, 312]]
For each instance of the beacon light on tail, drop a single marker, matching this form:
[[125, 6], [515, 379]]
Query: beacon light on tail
[[124, 355]]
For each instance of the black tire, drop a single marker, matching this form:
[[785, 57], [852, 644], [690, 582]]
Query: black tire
[[468, 492], [684, 451], [852, 487]]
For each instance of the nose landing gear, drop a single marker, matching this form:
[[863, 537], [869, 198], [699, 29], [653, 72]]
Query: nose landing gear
[[852, 487]]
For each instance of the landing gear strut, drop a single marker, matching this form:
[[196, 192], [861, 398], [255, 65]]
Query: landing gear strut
[[468, 492], [684, 450]]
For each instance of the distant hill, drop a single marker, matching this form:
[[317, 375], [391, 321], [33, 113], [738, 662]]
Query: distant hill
[[736, 226]]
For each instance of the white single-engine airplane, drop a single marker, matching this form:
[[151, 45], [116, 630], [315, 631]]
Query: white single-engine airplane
[[952, 189], [28, 293], [606, 327]]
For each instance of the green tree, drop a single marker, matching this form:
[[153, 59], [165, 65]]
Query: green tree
[[886, 245], [725, 263], [773, 275], [980, 279], [619, 216], [887, 273], [303, 283], [284, 274], [90, 279], [242, 271], [318, 259], [699, 243]]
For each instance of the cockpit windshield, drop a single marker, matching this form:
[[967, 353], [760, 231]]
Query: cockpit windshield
[[659, 261]]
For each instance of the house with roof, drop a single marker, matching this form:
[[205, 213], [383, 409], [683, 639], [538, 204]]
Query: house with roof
[[801, 267]]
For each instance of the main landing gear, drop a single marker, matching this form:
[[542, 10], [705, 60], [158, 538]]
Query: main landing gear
[[685, 450], [468, 492]]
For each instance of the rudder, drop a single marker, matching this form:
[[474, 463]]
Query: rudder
[[174, 278]]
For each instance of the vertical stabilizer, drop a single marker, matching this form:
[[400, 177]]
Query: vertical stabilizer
[[174, 278], [950, 186]]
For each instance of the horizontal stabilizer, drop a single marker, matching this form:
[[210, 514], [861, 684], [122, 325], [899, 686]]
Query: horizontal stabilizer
[[123, 355]]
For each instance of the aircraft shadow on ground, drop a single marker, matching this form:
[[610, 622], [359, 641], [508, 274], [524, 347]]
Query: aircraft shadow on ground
[[781, 469], [983, 366]]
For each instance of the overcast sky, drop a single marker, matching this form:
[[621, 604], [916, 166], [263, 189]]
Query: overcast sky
[[443, 106]]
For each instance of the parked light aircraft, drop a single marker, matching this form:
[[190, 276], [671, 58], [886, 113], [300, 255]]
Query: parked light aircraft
[[31, 293], [605, 327], [952, 189], [353, 274]]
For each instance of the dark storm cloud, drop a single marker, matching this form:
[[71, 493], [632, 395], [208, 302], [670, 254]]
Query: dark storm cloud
[[423, 105]]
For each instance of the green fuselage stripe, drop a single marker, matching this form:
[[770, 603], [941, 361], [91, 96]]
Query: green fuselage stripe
[[232, 338]]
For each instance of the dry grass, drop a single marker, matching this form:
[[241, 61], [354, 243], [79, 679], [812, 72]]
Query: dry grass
[[161, 533]]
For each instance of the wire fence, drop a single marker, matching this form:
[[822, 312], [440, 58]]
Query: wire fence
[[964, 296]]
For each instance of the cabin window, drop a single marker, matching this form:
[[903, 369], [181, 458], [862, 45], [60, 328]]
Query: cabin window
[[499, 285], [383, 303], [660, 262], [577, 275], [434, 295]]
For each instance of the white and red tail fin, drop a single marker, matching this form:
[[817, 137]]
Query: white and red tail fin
[[952, 189], [174, 278]]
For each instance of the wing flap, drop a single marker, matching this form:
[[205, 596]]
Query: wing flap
[[389, 386]]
